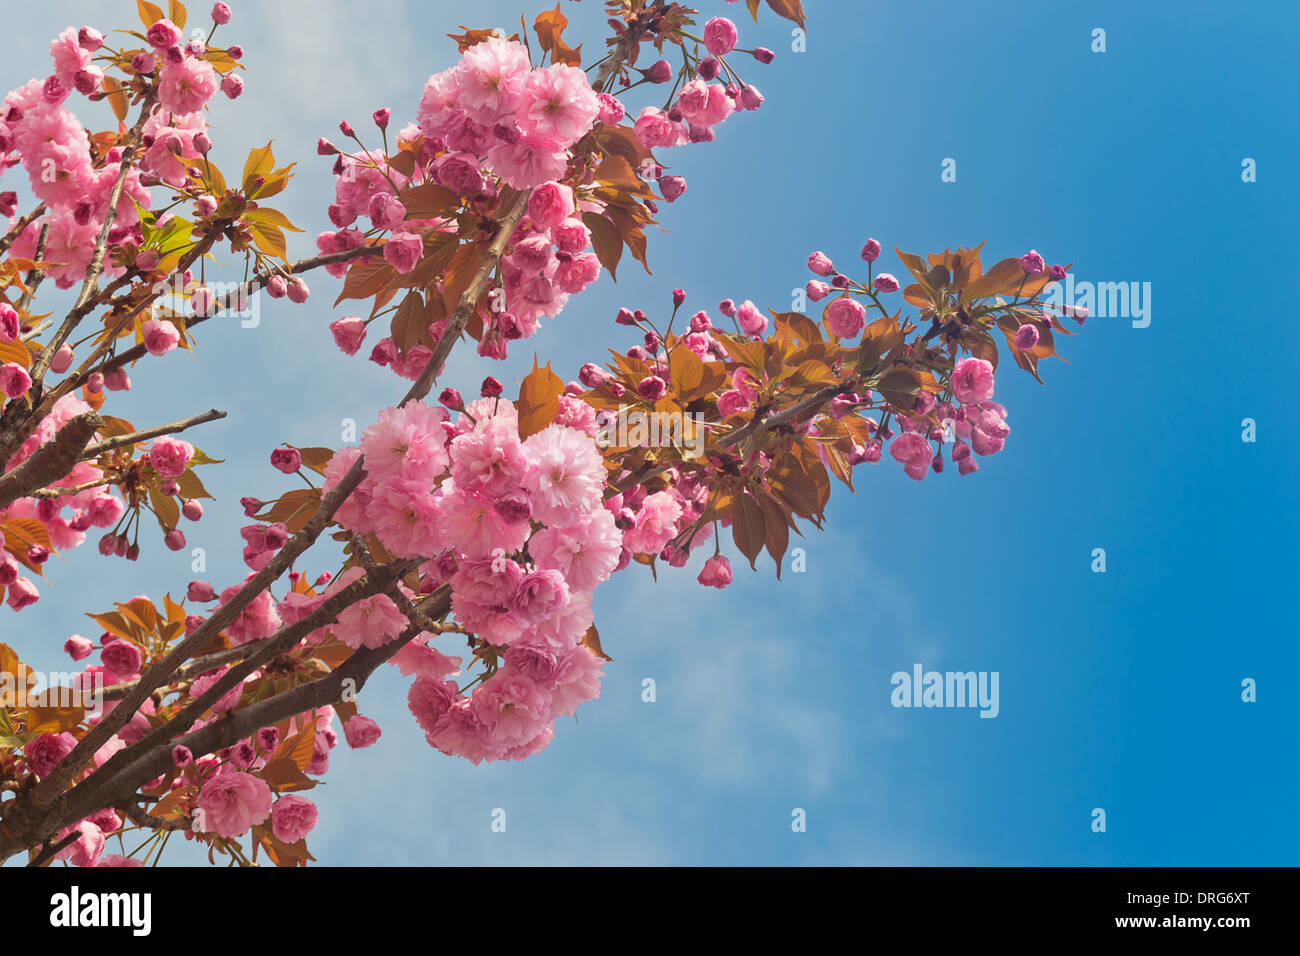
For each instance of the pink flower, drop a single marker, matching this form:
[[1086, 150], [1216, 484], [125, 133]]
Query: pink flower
[[972, 381], [86, 849], [292, 818], [473, 524], [871, 250], [349, 332], [121, 659], [716, 572], [258, 620], [489, 76], [577, 682], [550, 204], [1026, 336], [913, 452], [369, 623], [186, 87], [1032, 262], [489, 460], [886, 283], [567, 474], [611, 110], [233, 801], [403, 251], [540, 595], [585, 551], [44, 753], [429, 699], [578, 273], [360, 731], [511, 708], [846, 317], [406, 517], [655, 523], [528, 162], [170, 457], [163, 34], [160, 336], [751, 321], [720, 36], [557, 104], [14, 380], [407, 442]]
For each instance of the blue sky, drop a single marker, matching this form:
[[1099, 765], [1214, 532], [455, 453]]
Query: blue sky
[[1118, 690]]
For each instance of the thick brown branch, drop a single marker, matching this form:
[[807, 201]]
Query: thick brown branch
[[51, 461]]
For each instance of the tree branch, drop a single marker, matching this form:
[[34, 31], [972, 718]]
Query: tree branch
[[94, 451], [51, 461]]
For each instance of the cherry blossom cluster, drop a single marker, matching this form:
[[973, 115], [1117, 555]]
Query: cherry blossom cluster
[[71, 176], [490, 121]]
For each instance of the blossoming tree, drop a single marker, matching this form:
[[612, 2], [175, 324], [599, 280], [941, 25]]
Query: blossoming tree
[[479, 525]]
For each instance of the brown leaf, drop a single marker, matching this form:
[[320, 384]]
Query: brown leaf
[[539, 399], [591, 641]]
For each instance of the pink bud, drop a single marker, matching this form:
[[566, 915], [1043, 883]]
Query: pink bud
[[78, 648], [192, 509], [381, 117], [220, 13], [232, 86], [660, 71], [201, 591], [451, 398], [1026, 336], [871, 251], [491, 388], [672, 187], [88, 38], [287, 460], [886, 283], [277, 287], [298, 290], [62, 360], [763, 55], [820, 264], [174, 539]]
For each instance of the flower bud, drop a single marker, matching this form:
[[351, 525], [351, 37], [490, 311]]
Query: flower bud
[[287, 460], [491, 388], [592, 376], [660, 71]]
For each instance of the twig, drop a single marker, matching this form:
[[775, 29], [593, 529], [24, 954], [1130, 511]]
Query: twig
[[50, 852], [20, 227], [94, 451]]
